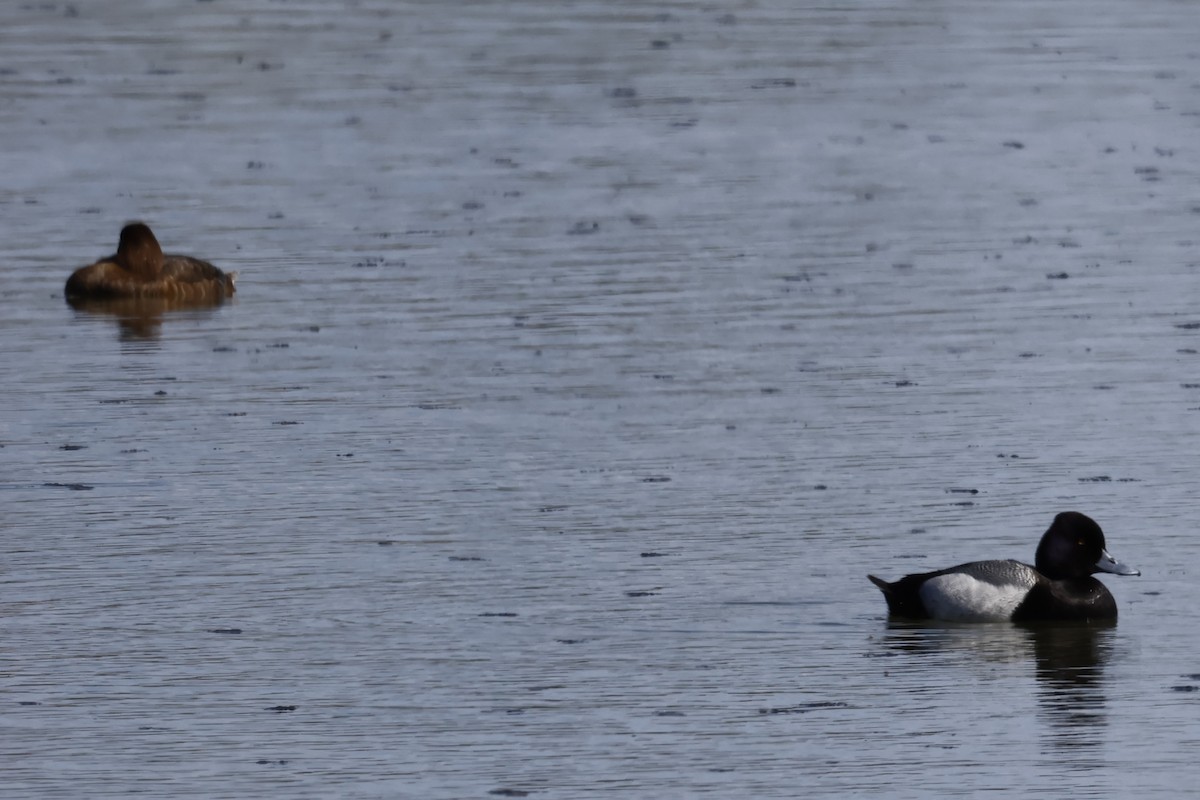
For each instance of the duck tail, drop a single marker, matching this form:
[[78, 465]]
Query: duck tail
[[903, 596]]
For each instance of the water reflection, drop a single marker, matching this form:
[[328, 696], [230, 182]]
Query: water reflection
[[1068, 661], [142, 317]]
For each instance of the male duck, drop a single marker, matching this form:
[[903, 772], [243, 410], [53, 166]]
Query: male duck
[[1061, 587], [140, 270]]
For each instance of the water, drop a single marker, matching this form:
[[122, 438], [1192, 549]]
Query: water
[[586, 357]]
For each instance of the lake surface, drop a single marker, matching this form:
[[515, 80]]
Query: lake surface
[[586, 357]]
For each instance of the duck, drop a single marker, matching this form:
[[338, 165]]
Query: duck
[[139, 269], [1059, 587]]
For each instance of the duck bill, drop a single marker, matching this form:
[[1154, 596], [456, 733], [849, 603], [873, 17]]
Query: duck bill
[[1107, 563]]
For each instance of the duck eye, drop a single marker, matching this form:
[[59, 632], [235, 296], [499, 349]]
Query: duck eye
[[1080, 543]]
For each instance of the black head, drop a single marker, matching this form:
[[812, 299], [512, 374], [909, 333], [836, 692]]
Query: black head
[[1073, 547]]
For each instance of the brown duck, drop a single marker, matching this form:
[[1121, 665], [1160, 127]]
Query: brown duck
[[139, 269]]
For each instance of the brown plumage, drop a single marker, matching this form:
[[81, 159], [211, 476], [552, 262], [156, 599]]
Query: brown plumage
[[139, 269]]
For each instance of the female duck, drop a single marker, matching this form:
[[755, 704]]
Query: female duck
[[140, 270], [1060, 587]]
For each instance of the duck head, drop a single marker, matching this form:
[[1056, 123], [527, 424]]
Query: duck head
[[139, 252]]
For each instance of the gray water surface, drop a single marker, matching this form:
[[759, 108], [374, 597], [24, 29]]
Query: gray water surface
[[586, 357]]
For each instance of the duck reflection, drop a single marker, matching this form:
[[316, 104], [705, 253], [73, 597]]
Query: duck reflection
[[141, 318], [1068, 660]]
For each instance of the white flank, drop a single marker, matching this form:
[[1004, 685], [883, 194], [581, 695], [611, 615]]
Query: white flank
[[962, 598]]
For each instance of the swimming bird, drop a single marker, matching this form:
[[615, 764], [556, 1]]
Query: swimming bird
[[139, 269], [1059, 587]]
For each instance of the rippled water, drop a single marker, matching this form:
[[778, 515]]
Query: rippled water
[[586, 357]]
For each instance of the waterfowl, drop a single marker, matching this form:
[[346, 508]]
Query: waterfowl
[[1059, 587], [139, 269]]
